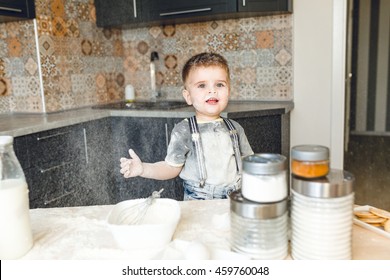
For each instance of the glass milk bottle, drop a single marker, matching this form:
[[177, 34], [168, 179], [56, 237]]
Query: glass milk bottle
[[15, 231]]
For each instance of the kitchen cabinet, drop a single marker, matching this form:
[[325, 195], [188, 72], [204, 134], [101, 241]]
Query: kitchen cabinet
[[79, 164], [54, 165], [264, 133], [14, 10], [149, 138], [121, 12], [175, 11], [133, 13], [264, 6]]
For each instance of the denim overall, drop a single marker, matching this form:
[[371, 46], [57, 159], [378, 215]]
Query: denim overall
[[200, 190]]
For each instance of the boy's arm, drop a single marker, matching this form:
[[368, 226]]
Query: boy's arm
[[133, 167], [160, 171]]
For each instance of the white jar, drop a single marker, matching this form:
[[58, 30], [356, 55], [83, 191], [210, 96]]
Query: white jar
[[322, 217], [264, 178], [259, 230]]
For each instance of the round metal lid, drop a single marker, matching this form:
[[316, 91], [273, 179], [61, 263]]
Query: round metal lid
[[255, 210], [264, 164], [310, 152], [336, 184]]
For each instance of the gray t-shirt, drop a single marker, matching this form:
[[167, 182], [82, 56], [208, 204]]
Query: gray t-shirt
[[217, 148]]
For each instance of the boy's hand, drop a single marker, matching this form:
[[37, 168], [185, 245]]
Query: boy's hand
[[131, 167]]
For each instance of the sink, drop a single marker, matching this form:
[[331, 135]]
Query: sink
[[144, 105]]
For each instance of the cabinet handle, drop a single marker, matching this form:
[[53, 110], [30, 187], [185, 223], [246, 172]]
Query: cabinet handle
[[85, 145], [46, 202], [185, 12], [10, 9], [135, 8], [243, 3], [166, 135], [53, 135], [54, 167]]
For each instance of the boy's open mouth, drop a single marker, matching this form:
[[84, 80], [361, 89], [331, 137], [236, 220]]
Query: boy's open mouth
[[212, 101]]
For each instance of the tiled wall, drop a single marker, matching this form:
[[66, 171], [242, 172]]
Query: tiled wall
[[82, 65]]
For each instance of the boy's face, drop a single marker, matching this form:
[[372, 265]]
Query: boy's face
[[207, 90]]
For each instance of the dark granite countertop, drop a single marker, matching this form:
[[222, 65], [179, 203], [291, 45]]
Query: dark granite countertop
[[18, 124]]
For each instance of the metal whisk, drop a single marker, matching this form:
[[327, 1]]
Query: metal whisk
[[134, 214]]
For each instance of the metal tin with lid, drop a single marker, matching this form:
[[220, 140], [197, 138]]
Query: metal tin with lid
[[264, 177], [310, 161], [258, 230], [321, 216]]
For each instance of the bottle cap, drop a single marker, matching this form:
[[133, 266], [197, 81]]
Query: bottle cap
[[264, 164], [310, 152], [129, 93]]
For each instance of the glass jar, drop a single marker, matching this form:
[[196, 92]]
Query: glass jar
[[15, 233], [310, 161], [264, 177], [322, 217], [259, 230]]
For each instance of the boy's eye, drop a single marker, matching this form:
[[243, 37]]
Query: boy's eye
[[201, 86], [220, 85]]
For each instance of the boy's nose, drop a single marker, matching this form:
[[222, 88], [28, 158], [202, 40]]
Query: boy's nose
[[212, 89]]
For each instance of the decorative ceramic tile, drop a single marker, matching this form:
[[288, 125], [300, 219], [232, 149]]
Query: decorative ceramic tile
[[283, 57], [14, 47], [231, 41], [31, 66], [4, 87], [247, 58], [2, 67], [3, 48], [266, 75], [83, 65], [247, 41], [169, 30], [247, 25], [265, 39], [265, 58], [170, 62], [15, 67]]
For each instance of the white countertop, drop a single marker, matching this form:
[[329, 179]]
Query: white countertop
[[82, 233]]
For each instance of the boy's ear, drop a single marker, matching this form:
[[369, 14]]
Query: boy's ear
[[187, 96]]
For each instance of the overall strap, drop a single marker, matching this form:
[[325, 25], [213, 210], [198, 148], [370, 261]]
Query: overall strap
[[236, 147], [197, 143]]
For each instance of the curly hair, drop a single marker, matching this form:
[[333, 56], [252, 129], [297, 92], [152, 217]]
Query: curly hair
[[205, 60]]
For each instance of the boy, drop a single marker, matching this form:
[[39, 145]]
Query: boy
[[204, 150]]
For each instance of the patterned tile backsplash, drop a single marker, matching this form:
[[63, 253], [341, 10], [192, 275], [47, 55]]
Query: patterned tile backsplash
[[80, 64]]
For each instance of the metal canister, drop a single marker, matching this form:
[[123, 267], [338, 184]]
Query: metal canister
[[259, 230], [322, 216]]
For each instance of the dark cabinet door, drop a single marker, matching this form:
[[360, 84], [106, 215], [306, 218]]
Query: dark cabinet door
[[12, 10], [264, 133], [118, 12], [264, 6], [148, 137], [54, 163], [166, 10]]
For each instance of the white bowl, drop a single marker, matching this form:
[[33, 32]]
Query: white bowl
[[155, 230]]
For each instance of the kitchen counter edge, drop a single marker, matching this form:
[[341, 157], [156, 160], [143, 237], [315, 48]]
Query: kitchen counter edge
[[19, 124]]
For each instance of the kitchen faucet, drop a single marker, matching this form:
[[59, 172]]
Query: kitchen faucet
[[155, 93]]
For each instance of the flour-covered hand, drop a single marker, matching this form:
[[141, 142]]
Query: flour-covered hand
[[131, 167]]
